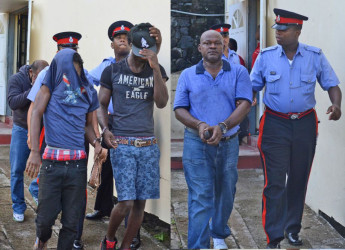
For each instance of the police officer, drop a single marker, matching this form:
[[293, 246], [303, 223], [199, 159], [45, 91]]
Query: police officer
[[228, 54], [289, 126]]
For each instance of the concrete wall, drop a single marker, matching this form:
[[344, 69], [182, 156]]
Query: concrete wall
[[92, 18]]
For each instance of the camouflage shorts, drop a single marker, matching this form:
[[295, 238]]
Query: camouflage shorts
[[136, 172]]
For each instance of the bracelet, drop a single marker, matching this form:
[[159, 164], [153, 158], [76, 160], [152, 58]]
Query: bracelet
[[199, 123], [95, 140], [103, 130]]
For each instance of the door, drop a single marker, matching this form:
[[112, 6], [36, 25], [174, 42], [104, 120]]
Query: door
[[238, 21], [3, 62]]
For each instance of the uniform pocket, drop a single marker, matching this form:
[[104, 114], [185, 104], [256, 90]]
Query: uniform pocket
[[272, 86], [308, 83]]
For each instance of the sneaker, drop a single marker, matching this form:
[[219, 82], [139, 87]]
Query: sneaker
[[135, 243], [219, 244], [18, 217], [78, 244], [39, 245], [33, 197], [108, 245]]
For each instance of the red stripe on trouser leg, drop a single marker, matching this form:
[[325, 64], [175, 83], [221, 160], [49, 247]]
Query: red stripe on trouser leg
[[317, 133], [261, 129]]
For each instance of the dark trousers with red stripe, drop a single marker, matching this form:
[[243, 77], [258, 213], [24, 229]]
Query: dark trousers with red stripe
[[287, 149]]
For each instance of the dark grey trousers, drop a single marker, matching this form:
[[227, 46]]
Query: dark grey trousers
[[62, 187]]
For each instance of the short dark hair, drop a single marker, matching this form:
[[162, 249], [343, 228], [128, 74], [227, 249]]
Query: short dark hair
[[297, 26], [233, 44], [38, 65]]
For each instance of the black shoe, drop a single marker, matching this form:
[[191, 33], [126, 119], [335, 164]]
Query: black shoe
[[95, 215], [78, 244], [293, 239], [273, 245], [108, 245], [135, 244]]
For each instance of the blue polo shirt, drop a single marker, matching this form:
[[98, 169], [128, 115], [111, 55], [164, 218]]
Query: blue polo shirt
[[291, 88], [232, 57], [213, 100]]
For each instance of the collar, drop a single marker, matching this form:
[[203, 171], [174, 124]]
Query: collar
[[200, 67], [298, 51]]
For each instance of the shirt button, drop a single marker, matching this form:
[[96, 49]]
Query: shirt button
[[290, 83], [291, 100]]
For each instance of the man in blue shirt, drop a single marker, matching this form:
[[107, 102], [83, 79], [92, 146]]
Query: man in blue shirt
[[205, 103], [67, 100], [228, 54], [289, 126]]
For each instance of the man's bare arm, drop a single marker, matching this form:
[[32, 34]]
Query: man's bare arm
[[40, 105], [104, 96]]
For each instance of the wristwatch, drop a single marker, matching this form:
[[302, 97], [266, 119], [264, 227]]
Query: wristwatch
[[223, 127]]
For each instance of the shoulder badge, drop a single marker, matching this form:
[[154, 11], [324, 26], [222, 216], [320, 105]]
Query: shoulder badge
[[313, 49], [269, 48]]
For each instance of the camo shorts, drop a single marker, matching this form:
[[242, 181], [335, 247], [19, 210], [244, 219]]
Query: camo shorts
[[136, 172]]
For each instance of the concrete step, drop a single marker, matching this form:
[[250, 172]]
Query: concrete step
[[249, 156], [5, 152], [5, 133]]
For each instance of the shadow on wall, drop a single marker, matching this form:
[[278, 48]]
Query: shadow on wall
[[186, 29]]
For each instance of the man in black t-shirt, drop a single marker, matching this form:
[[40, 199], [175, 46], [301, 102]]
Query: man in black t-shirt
[[134, 84]]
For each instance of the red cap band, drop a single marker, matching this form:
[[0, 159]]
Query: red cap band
[[222, 30], [282, 20], [67, 41], [121, 28]]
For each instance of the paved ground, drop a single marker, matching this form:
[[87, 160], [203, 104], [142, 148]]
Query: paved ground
[[245, 220], [19, 236]]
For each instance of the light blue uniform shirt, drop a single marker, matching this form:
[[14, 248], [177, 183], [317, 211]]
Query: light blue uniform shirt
[[96, 74], [213, 100], [290, 88], [232, 57]]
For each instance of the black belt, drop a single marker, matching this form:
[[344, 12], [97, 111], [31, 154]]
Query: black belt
[[226, 138], [289, 116]]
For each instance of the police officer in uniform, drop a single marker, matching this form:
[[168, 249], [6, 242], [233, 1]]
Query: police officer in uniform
[[289, 126], [228, 54]]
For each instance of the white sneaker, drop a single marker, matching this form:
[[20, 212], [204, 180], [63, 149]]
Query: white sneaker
[[18, 217], [219, 244]]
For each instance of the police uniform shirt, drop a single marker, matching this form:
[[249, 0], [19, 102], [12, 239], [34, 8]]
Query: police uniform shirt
[[232, 57], [290, 88]]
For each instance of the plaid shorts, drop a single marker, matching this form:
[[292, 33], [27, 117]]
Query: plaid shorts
[[136, 172]]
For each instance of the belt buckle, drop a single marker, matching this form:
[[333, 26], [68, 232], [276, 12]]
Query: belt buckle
[[138, 143], [294, 116]]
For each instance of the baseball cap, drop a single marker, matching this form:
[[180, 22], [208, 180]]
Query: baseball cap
[[141, 39]]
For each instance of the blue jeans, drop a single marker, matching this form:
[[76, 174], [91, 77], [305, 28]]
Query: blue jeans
[[19, 153], [211, 176], [34, 186]]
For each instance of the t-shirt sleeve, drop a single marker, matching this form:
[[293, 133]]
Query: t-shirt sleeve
[[182, 93], [96, 73], [163, 72], [94, 103], [49, 79], [37, 85], [243, 86], [326, 75], [106, 78]]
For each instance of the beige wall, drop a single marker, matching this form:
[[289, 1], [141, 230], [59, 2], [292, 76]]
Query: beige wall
[[92, 18], [326, 190]]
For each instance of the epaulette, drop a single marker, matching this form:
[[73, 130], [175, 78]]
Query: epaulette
[[313, 49], [269, 48]]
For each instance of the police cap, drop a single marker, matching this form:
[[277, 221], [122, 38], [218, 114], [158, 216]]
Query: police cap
[[67, 39], [285, 19], [222, 28], [119, 27]]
